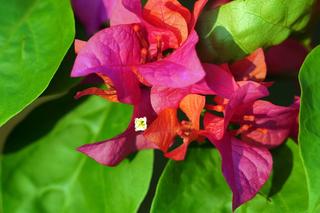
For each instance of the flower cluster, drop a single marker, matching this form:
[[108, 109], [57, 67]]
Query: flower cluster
[[147, 58]]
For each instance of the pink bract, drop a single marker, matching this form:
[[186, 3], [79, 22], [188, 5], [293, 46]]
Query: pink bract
[[113, 151]]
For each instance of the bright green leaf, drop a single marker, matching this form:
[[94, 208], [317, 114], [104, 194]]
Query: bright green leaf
[[197, 185], [241, 26], [34, 37], [43, 172], [309, 138]]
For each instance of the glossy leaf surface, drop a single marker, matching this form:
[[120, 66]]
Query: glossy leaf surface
[[34, 37], [242, 26]]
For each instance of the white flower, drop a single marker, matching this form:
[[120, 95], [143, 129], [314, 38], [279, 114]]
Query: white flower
[[140, 124]]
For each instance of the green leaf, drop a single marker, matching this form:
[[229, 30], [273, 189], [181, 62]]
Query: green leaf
[[197, 185], [34, 37], [43, 172], [242, 26], [309, 134]]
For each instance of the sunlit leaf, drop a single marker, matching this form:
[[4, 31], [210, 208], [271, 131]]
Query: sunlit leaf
[[34, 37], [242, 26]]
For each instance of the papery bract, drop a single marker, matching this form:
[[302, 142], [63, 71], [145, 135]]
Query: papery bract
[[245, 167], [111, 52], [217, 81], [252, 67], [272, 124], [113, 151], [180, 69], [116, 52], [168, 15], [247, 163], [247, 93], [166, 126], [124, 11]]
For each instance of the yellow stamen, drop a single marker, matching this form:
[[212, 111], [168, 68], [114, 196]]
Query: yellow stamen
[[249, 118], [243, 128]]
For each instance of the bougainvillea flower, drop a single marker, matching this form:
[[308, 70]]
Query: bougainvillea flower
[[166, 126], [117, 52], [121, 49], [252, 67], [286, 57], [170, 21], [246, 167], [92, 14], [110, 52], [267, 124], [167, 22], [259, 121], [246, 94], [247, 163], [113, 151], [217, 81]]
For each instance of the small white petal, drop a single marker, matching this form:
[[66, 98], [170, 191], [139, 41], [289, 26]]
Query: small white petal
[[140, 124]]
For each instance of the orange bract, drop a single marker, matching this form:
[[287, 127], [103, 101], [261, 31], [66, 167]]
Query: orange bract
[[192, 106], [163, 129], [169, 15], [166, 127], [78, 45], [252, 67]]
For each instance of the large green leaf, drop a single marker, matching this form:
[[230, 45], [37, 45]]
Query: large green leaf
[[197, 185], [42, 171], [309, 137], [241, 26], [34, 37]]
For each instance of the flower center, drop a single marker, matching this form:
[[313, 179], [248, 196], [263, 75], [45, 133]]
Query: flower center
[[145, 54], [187, 132]]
